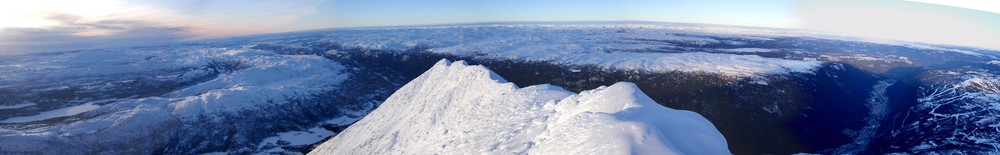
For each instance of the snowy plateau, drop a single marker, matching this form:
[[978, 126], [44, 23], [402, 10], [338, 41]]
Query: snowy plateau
[[739, 90], [457, 108], [133, 101]]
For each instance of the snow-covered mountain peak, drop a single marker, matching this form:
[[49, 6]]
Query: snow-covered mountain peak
[[458, 108], [608, 99], [639, 122], [461, 69]]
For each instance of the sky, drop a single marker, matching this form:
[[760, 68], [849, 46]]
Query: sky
[[29, 26]]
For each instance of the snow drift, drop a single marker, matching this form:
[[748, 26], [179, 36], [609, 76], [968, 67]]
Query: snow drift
[[458, 108]]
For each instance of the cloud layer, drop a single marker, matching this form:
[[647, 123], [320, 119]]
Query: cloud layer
[[55, 25], [28, 26], [72, 32], [906, 21]]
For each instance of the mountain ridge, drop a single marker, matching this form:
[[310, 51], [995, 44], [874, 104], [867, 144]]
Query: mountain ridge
[[456, 107]]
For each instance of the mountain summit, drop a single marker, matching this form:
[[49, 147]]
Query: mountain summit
[[456, 107]]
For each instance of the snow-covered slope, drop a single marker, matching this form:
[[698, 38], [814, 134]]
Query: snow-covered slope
[[174, 101], [958, 113], [458, 108]]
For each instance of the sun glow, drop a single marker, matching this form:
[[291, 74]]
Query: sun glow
[[38, 13]]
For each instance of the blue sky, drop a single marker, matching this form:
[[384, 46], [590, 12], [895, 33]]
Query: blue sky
[[53, 25]]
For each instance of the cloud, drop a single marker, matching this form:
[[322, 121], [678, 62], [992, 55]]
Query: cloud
[[222, 18], [982, 5], [905, 21], [58, 25], [73, 32]]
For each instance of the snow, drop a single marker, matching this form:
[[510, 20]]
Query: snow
[[928, 47], [267, 81], [993, 62], [267, 76], [458, 108], [888, 59], [961, 111], [16, 106], [68, 111], [725, 64], [749, 50], [274, 144], [609, 46], [307, 137], [270, 78], [907, 44], [773, 109]]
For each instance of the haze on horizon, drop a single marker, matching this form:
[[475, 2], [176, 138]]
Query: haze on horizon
[[58, 25]]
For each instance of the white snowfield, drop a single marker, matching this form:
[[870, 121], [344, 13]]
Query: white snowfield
[[601, 45], [455, 108]]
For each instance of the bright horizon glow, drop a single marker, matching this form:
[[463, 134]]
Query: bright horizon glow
[[981, 5], [51, 25], [905, 21]]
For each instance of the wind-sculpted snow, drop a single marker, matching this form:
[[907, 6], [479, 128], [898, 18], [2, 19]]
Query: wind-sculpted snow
[[199, 100], [961, 113], [610, 46], [457, 108]]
